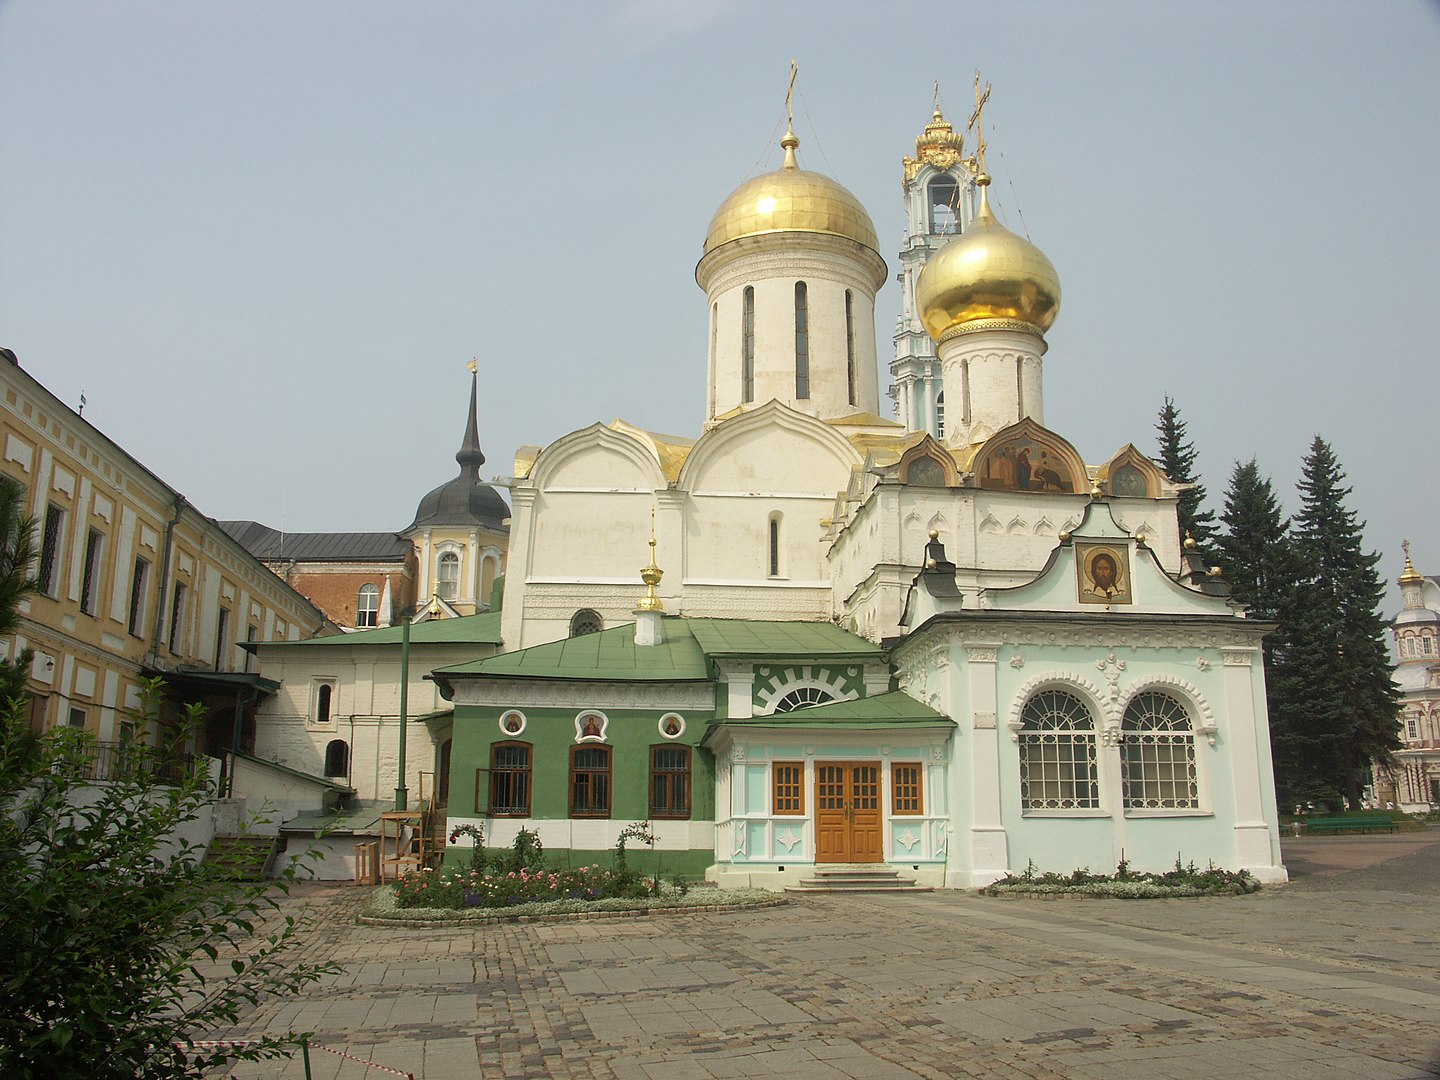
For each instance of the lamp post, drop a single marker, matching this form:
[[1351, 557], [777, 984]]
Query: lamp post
[[402, 794]]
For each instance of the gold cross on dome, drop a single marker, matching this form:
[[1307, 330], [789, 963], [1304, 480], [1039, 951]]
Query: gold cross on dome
[[790, 95], [472, 365], [977, 122]]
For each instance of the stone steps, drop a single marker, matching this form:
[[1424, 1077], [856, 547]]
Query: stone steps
[[247, 858], [856, 878]]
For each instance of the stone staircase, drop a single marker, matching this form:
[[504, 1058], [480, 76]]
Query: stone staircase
[[246, 857], [856, 878]]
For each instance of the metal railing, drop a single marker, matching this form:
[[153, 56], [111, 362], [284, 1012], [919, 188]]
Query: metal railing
[[125, 760]]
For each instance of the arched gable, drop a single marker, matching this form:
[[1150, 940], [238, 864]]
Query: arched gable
[[1028, 457], [771, 448], [1129, 474], [598, 457], [924, 454]]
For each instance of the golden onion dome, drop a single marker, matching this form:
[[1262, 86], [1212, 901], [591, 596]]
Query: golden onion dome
[[987, 272], [790, 200]]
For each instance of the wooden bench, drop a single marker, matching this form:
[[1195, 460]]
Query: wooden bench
[[1351, 823]]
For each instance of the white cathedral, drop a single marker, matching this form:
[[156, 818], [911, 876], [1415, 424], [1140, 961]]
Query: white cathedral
[[941, 648]]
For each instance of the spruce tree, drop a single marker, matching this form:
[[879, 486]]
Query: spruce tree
[[1258, 560], [1177, 459], [1339, 634]]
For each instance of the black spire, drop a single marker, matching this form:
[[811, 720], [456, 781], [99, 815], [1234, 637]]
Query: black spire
[[470, 455]]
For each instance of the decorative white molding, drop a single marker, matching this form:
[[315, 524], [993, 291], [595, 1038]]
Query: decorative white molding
[[982, 721], [982, 654], [788, 839], [1111, 667], [1103, 704], [1238, 657], [1190, 695], [1202, 663], [908, 838], [1017, 661]]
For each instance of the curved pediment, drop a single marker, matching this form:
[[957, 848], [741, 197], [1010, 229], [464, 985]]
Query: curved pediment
[[928, 464], [598, 457], [1129, 474], [1028, 457], [771, 447]]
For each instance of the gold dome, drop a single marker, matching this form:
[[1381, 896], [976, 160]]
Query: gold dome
[[987, 272], [791, 200]]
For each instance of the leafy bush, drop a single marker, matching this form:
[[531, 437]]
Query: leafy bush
[[119, 938], [1126, 884]]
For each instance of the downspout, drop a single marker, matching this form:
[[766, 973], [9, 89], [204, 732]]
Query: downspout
[[242, 698], [165, 579]]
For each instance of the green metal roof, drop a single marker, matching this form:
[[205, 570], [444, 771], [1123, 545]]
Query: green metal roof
[[736, 638], [608, 656], [482, 629], [882, 711], [361, 819]]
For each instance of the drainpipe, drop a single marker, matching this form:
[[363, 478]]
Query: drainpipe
[[401, 794], [164, 582], [242, 698]]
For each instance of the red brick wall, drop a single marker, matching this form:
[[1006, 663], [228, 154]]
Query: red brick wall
[[335, 587]]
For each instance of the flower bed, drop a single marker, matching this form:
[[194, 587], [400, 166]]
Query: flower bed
[[383, 906], [457, 888], [1125, 884]]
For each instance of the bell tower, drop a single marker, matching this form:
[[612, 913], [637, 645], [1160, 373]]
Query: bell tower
[[939, 188]]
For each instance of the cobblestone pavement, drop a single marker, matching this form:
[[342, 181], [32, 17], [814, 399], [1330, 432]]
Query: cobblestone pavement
[[1336, 974]]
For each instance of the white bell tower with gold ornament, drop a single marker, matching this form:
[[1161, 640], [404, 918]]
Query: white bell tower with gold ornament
[[790, 269], [939, 186], [987, 298]]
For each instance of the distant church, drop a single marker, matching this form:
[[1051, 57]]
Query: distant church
[[934, 650]]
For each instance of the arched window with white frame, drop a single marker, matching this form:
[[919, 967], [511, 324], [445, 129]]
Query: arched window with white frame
[[1058, 753], [367, 606], [447, 576], [1157, 754]]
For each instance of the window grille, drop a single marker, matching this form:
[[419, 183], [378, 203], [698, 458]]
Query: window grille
[[803, 697], [1058, 769], [337, 758], [49, 575], [90, 582], [850, 344], [802, 340], [590, 781], [1157, 755], [669, 781], [585, 621], [510, 780], [747, 333]]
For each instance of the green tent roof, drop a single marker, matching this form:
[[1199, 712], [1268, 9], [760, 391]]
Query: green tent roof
[[890, 710], [608, 656], [482, 629]]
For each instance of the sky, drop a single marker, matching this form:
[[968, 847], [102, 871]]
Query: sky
[[264, 239]]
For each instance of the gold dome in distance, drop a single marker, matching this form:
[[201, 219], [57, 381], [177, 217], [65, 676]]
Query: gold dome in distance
[[987, 272], [791, 200]]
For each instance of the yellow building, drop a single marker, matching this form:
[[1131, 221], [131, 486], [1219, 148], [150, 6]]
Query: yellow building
[[135, 582]]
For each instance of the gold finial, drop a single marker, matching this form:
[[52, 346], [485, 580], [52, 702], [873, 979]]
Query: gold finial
[[1140, 539], [472, 365], [651, 576], [790, 142], [977, 122], [1095, 489], [433, 608], [934, 534], [1215, 571], [936, 110], [1410, 576], [1189, 541]]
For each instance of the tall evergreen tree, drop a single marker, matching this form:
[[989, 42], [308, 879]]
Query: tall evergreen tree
[[1338, 632], [1177, 459], [17, 580], [1258, 559]]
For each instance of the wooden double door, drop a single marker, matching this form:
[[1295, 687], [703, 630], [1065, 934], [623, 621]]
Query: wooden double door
[[849, 825]]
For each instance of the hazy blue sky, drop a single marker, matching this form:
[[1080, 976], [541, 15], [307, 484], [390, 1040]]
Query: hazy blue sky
[[264, 239]]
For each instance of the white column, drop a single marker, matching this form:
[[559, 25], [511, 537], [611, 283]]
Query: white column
[[989, 850], [1256, 841]]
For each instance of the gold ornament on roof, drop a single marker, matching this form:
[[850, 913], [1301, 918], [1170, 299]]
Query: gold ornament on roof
[[1410, 576], [651, 575], [939, 144], [1189, 541]]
